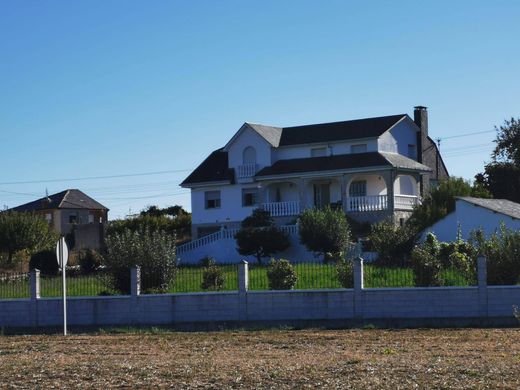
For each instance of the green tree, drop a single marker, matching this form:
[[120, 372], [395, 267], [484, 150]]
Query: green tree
[[325, 232], [172, 220], [153, 251], [392, 243], [24, 231], [501, 177], [441, 201], [259, 236]]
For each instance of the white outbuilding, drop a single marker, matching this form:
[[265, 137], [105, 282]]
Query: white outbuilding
[[477, 213]]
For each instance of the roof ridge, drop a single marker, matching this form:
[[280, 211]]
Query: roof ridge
[[64, 196]]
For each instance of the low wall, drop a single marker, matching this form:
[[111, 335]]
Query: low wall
[[397, 306]]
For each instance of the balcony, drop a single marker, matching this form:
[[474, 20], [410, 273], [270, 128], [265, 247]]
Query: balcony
[[380, 202], [282, 209], [406, 202], [246, 171]]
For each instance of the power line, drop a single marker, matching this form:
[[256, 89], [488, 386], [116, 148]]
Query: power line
[[467, 134], [96, 177]]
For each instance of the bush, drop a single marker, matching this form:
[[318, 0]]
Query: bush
[[154, 252], [345, 269], [502, 251], [281, 275], [324, 232], [426, 265], [45, 261], [89, 261], [392, 243], [212, 278]]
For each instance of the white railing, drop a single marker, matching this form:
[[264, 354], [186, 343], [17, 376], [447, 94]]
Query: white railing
[[246, 171], [367, 203], [282, 209], [406, 202], [220, 235]]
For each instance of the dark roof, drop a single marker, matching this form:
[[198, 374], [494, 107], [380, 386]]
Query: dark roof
[[502, 206], [213, 168], [341, 162], [338, 131], [68, 199]]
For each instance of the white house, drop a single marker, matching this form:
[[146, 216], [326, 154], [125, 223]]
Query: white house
[[475, 213], [373, 169]]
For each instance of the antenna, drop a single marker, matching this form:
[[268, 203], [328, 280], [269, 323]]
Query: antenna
[[438, 143]]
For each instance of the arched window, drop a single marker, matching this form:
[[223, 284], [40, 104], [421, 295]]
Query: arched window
[[249, 156]]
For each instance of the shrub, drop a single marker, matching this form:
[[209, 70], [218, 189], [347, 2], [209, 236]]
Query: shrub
[[45, 261], [212, 278], [502, 250], [392, 243], [324, 232], [89, 261], [345, 269], [426, 265], [281, 275], [259, 236], [153, 251]]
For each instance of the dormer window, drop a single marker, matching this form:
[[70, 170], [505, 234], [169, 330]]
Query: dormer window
[[360, 148], [249, 155]]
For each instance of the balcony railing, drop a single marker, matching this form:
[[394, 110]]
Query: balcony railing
[[406, 202], [246, 171], [282, 209], [367, 203]]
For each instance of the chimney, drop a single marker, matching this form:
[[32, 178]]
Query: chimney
[[420, 117]]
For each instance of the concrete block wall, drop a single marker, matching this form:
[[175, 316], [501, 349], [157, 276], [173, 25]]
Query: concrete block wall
[[481, 303]]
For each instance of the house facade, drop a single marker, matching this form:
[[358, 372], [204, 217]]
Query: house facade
[[373, 169], [72, 212]]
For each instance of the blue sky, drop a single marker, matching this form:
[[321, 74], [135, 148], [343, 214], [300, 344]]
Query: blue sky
[[109, 88]]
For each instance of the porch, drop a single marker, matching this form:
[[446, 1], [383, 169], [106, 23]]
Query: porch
[[361, 193]]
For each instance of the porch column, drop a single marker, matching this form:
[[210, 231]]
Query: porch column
[[389, 178], [302, 192], [345, 180], [262, 188]]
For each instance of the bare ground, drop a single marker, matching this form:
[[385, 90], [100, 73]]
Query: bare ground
[[358, 359]]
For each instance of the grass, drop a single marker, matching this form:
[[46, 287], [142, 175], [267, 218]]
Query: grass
[[265, 359], [189, 279]]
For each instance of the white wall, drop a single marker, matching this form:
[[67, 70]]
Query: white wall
[[403, 134], [376, 185], [230, 204], [251, 138], [470, 218], [334, 148]]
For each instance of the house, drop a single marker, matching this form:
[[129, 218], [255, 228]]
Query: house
[[72, 211], [374, 169], [476, 213]]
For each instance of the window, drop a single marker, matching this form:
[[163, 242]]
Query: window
[[212, 199], [318, 152], [358, 188], [411, 151], [73, 218], [249, 197], [48, 217], [361, 148], [249, 155], [90, 218], [434, 183]]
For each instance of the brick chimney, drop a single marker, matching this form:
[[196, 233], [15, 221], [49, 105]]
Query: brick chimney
[[420, 117]]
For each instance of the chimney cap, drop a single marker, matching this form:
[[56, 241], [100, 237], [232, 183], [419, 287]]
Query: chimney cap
[[420, 108]]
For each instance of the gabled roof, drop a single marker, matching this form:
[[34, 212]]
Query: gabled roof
[[502, 206], [339, 131], [213, 169], [341, 162], [68, 199], [270, 133]]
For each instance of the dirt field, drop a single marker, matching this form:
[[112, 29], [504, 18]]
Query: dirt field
[[378, 359]]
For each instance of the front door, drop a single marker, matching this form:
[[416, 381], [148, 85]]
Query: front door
[[321, 195]]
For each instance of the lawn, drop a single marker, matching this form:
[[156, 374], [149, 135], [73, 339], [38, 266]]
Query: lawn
[[277, 359], [189, 279]]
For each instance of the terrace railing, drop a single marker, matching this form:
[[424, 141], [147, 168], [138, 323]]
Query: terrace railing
[[406, 202], [367, 203], [245, 171], [282, 209]]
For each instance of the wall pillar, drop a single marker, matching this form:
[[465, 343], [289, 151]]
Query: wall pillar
[[135, 291], [243, 287], [34, 286], [358, 288], [482, 287], [389, 178]]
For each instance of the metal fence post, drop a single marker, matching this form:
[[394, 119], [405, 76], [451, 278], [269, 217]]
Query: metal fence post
[[243, 287], [482, 287], [358, 288]]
